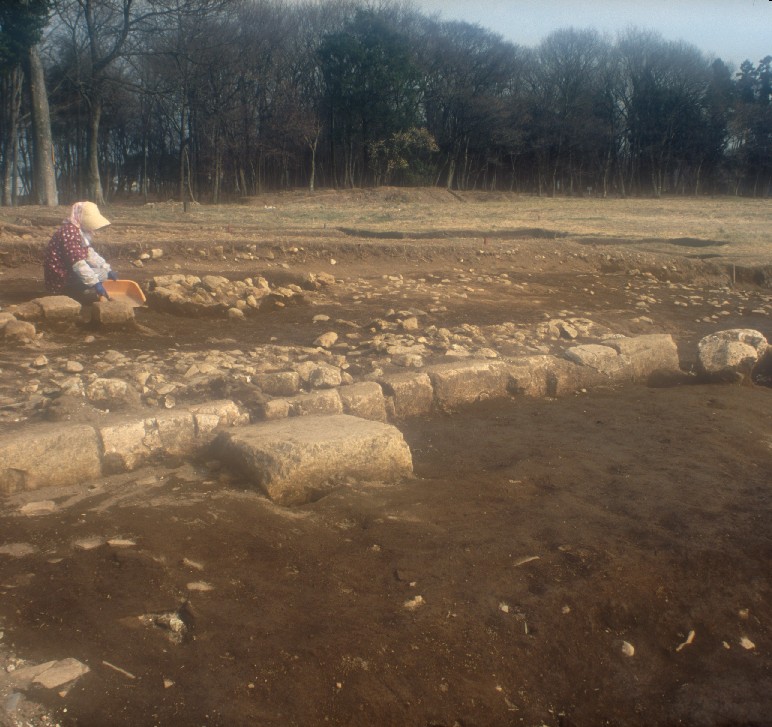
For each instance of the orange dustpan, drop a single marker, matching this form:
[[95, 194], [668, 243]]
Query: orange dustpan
[[125, 290]]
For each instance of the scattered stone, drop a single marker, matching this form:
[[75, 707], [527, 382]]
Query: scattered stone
[[89, 543], [414, 603], [628, 649], [326, 340], [112, 394], [17, 550], [121, 543], [200, 586], [42, 507], [50, 674]]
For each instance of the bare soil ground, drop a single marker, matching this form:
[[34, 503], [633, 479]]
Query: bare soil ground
[[597, 559]]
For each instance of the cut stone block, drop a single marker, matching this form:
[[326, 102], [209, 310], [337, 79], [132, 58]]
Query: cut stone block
[[129, 445], [112, 312], [278, 383], [326, 401], [49, 456], [654, 353], [220, 413], [297, 460], [410, 394], [457, 384], [364, 400], [59, 308], [603, 359]]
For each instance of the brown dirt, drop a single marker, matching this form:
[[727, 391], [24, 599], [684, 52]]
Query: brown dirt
[[540, 534]]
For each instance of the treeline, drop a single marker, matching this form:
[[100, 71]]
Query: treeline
[[212, 100]]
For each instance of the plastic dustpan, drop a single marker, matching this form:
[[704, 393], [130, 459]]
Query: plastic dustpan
[[125, 290]]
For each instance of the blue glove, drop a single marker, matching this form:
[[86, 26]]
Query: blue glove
[[101, 292], [112, 275]]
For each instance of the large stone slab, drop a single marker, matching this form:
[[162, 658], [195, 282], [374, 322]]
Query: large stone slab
[[457, 384], [299, 459], [51, 456]]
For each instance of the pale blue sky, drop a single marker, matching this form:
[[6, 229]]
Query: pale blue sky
[[731, 29]]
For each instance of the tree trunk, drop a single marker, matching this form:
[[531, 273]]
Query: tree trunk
[[44, 179], [94, 181], [10, 122]]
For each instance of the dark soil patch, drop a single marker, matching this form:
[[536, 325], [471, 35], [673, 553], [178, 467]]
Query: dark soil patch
[[540, 535]]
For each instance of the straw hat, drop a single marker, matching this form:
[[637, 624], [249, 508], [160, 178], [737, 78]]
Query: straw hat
[[91, 218]]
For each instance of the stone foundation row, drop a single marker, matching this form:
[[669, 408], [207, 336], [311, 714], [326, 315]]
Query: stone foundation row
[[65, 454]]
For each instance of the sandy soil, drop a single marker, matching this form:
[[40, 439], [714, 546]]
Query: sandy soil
[[598, 559]]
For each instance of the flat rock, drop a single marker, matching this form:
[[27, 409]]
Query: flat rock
[[297, 460]]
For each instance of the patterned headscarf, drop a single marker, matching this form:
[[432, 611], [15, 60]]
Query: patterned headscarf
[[76, 213]]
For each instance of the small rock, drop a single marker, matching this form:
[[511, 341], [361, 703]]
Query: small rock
[[746, 643], [326, 339], [200, 586], [628, 649], [89, 543], [414, 603], [17, 550], [38, 508]]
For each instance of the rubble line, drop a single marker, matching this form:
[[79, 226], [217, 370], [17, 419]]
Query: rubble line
[[65, 454]]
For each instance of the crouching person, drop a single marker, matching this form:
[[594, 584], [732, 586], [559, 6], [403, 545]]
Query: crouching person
[[71, 266]]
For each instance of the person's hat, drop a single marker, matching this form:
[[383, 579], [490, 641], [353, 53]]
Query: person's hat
[[91, 218]]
